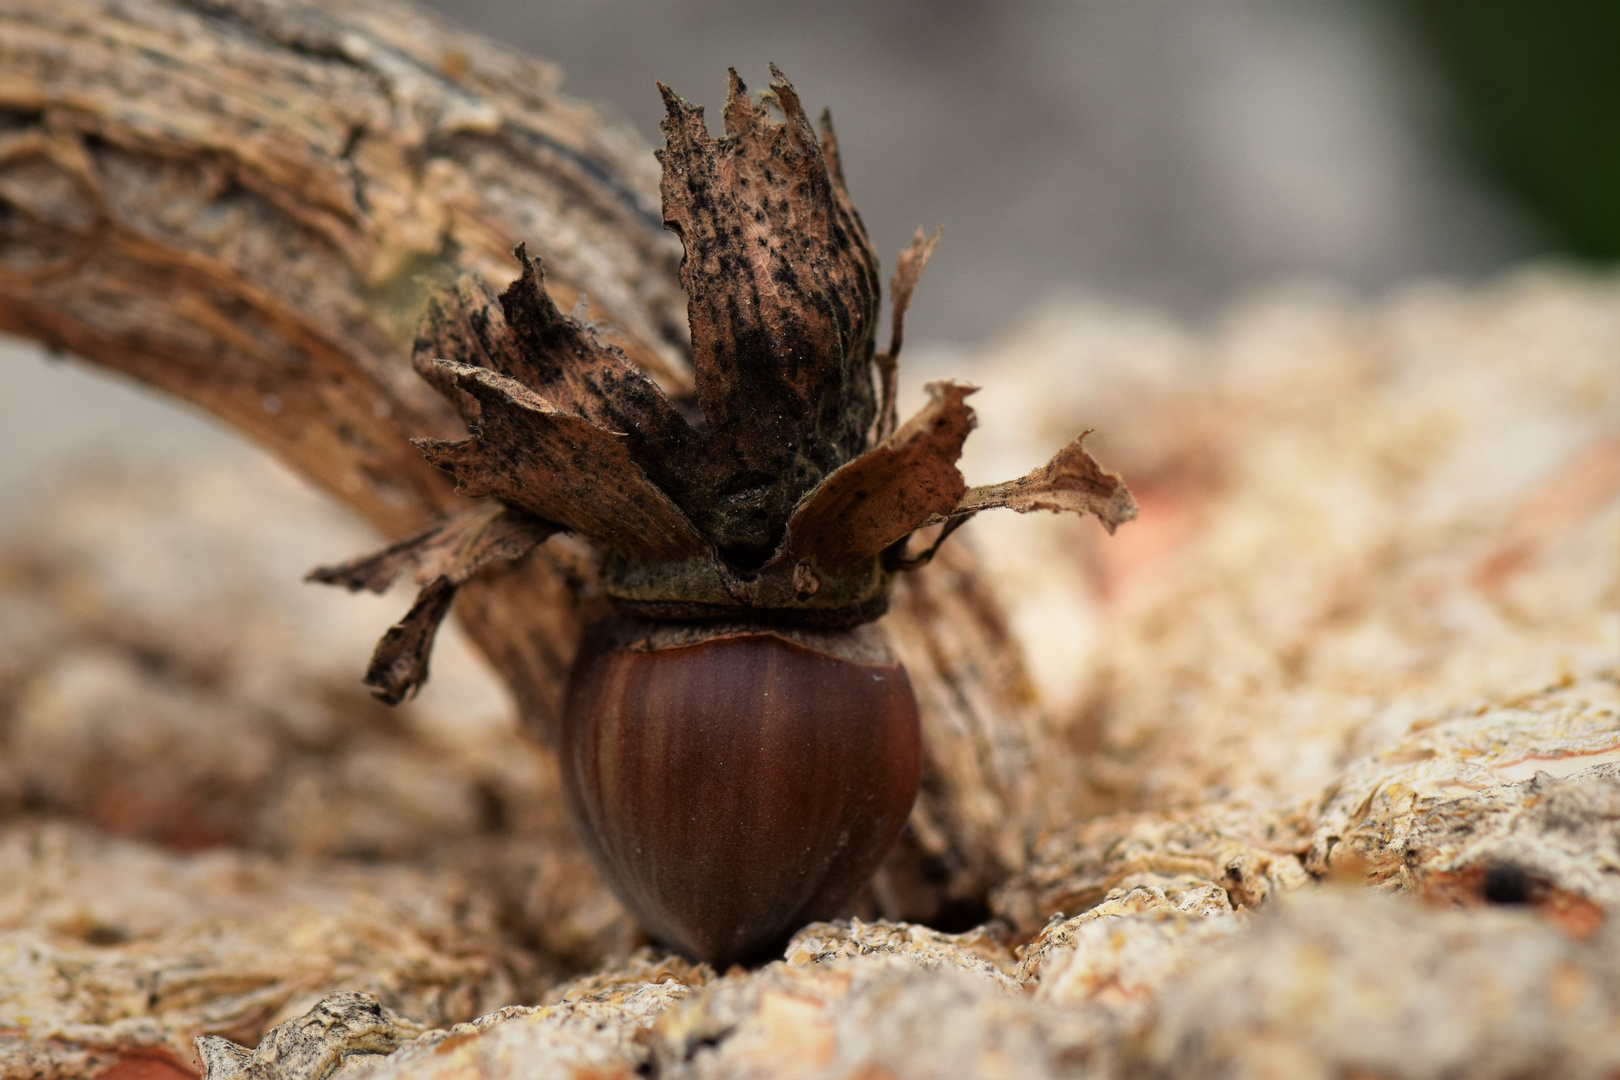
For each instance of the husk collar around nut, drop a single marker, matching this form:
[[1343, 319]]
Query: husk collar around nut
[[784, 489]]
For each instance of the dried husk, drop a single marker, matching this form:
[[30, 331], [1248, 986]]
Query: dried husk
[[780, 488]]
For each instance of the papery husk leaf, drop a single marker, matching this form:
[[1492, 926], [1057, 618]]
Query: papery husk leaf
[[1072, 481], [835, 163], [891, 490], [562, 360], [399, 665], [523, 335], [379, 570], [441, 558], [455, 548], [468, 326], [783, 292], [907, 270], [560, 467]]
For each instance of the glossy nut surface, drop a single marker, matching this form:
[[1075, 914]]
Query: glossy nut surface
[[731, 791]]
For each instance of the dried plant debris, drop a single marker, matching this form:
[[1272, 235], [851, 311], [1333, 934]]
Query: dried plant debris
[[779, 486]]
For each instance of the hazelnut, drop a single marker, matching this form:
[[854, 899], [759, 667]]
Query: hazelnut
[[732, 783]]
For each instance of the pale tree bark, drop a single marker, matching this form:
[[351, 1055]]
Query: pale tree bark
[[246, 203]]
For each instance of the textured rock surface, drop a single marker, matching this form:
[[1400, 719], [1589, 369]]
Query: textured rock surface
[[1365, 634]]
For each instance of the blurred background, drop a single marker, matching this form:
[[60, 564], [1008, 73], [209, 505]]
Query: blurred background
[[1168, 154]]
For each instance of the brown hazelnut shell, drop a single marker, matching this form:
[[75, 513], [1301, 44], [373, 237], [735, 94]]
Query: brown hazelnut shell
[[732, 784]]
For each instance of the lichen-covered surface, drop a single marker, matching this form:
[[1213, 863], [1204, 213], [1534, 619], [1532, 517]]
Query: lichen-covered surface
[[1327, 744]]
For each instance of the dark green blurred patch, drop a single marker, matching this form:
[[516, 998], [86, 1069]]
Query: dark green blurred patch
[[1538, 88]]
